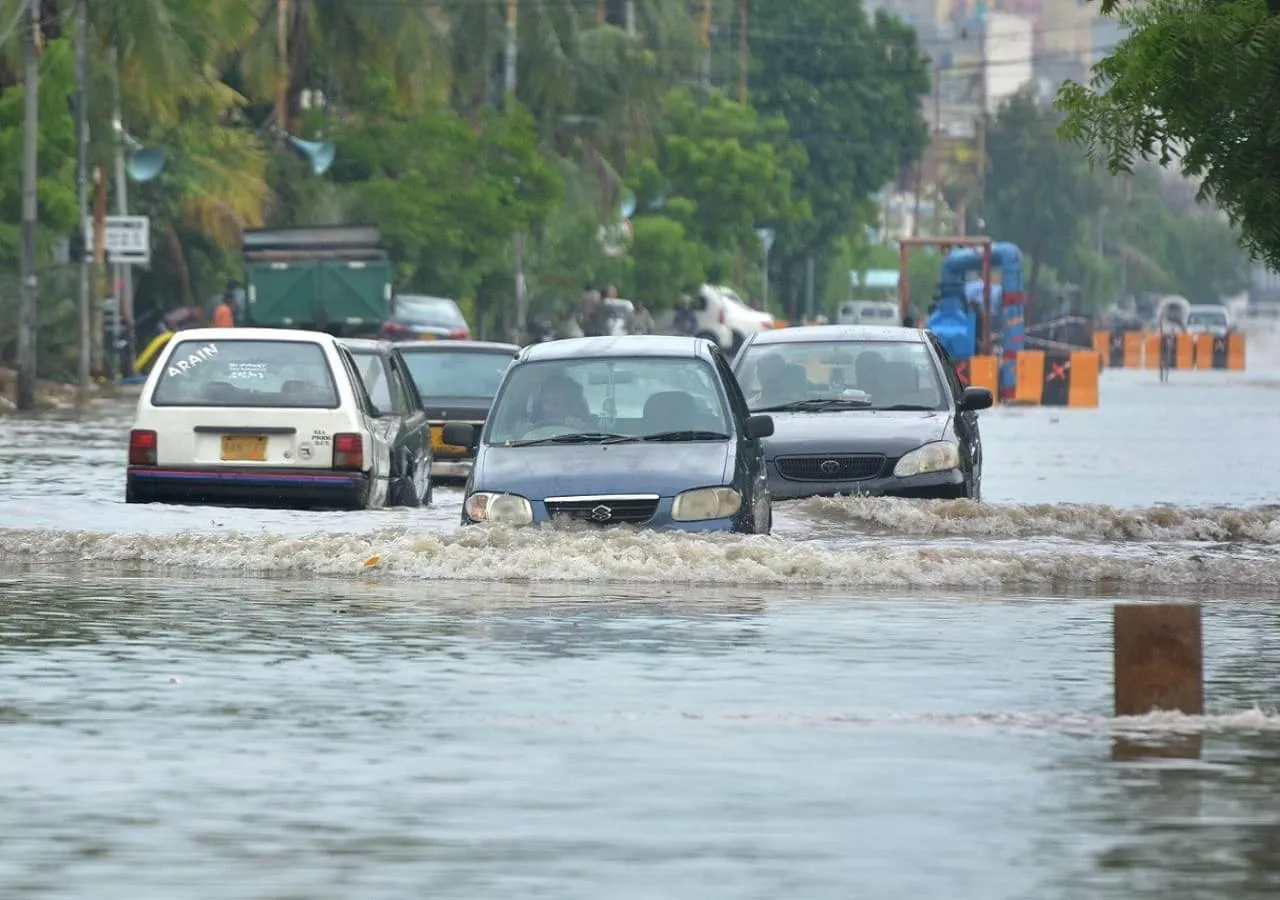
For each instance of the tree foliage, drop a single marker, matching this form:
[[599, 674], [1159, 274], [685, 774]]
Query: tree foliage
[[1193, 82]]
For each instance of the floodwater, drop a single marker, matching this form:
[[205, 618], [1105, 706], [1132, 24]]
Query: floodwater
[[883, 699]]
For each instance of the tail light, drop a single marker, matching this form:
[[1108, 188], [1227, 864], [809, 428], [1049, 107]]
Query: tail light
[[459, 334], [721, 316], [395, 329], [142, 448], [348, 451]]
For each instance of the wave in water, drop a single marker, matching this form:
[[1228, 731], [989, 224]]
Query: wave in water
[[639, 556], [964, 518]]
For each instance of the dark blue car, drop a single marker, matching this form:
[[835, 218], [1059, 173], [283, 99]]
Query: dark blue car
[[640, 429]]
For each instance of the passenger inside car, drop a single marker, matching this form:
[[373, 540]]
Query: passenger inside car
[[559, 401]]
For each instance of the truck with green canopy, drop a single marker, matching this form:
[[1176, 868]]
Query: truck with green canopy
[[334, 278]]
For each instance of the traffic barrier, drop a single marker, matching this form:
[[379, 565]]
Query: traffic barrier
[[1057, 378], [1220, 352], [980, 371], [1124, 349], [1203, 356], [1235, 352], [1184, 351], [1136, 349]]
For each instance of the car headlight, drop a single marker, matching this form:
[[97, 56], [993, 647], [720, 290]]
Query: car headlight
[[704, 504], [500, 509], [936, 457]]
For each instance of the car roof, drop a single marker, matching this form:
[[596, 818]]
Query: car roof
[[255, 334], [442, 346], [366, 345], [615, 346], [418, 298], [1208, 306], [804, 333]]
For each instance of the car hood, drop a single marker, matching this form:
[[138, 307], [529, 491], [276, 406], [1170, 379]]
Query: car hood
[[854, 431], [566, 470]]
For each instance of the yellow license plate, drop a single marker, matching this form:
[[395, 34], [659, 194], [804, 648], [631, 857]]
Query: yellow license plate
[[437, 440], [426, 337], [244, 448]]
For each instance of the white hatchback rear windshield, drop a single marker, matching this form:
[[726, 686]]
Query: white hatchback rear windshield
[[250, 373]]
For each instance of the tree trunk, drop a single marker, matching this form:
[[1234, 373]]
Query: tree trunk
[[178, 259]]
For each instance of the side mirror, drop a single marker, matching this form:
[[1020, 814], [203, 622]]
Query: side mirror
[[460, 434], [976, 398], [762, 426]]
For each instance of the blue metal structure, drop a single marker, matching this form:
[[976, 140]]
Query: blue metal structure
[[955, 322]]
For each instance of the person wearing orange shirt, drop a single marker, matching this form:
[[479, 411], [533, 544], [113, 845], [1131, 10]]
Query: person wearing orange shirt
[[223, 313]]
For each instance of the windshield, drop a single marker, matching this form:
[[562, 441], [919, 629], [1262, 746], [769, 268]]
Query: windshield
[[374, 374], [428, 311], [1207, 317], [458, 374], [841, 374], [616, 398], [246, 373]]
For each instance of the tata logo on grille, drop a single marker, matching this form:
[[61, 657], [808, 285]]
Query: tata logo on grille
[[601, 513], [829, 467]]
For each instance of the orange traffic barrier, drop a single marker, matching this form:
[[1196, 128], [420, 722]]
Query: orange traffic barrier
[[1151, 350], [984, 371], [1029, 377], [1184, 351], [1235, 351], [1058, 378], [1203, 356]]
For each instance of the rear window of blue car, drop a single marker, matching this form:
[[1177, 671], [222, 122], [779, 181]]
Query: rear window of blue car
[[637, 396], [247, 373]]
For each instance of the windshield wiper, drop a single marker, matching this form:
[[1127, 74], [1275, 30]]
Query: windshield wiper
[[580, 437], [687, 434], [817, 404], [906, 407]]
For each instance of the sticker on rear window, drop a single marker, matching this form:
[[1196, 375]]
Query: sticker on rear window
[[208, 351], [242, 370]]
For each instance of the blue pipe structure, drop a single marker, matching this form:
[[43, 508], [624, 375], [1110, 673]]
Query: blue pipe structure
[[955, 322]]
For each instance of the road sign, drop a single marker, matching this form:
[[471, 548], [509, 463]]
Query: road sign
[[127, 240]]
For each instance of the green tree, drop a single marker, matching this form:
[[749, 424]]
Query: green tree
[[1040, 192], [851, 92], [1193, 82]]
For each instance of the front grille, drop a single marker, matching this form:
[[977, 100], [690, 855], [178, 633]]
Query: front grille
[[604, 510], [830, 468]]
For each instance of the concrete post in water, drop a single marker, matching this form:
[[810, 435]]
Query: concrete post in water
[[1159, 658]]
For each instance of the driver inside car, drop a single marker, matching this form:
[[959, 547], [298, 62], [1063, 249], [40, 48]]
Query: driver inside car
[[560, 403]]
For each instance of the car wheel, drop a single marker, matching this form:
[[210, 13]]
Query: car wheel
[[405, 489], [767, 527]]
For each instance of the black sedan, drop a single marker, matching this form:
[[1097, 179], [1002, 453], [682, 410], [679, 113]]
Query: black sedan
[[457, 381], [873, 410], [399, 412]]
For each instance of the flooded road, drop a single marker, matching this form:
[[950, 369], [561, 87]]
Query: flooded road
[[883, 699]]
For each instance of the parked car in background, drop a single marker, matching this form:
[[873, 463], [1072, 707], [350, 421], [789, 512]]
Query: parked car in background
[[417, 317], [640, 429], [864, 409], [456, 381], [399, 412], [1208, 317], [257, 416]]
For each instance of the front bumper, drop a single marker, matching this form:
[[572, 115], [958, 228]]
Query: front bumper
[[660, 520], [932, 485], [318, 488]]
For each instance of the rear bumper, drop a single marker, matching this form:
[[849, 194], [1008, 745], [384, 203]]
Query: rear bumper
[[451, 468], [320, 488]]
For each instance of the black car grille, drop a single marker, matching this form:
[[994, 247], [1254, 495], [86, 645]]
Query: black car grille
[[830, 468], [605, 510]]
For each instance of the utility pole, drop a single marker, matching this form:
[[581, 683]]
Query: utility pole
[[30, 280], [629, 12], [982, 140], [282, 66], [122, 275], [517, 239], [937, 149], [706, 46], [82, 201], [744, 51]]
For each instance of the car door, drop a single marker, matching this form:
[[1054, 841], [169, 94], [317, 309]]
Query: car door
[[415, 433], [381, 451], [750, 464], [967, 430]]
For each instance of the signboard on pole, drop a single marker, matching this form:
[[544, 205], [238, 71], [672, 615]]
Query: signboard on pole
[[127, 240]]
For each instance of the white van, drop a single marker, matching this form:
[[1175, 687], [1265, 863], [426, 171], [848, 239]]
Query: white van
[[248, 416], [868, 312]]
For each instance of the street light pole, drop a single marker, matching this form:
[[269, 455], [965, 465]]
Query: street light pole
[[517, 239], [30, 280], [82, 201]]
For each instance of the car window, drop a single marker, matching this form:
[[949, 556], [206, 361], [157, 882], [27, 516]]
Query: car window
[[634, 396], [246, 372], [463, 373], [1207, 318], [879, 373], [353, 377], [949, 368], [376, 379], [429, 311], [413, 400]]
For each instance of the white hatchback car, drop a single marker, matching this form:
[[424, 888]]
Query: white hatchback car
[[253, 416]]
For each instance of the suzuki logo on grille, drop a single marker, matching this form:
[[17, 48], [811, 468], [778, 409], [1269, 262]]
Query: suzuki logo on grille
[[601, 513], [829, 467]]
